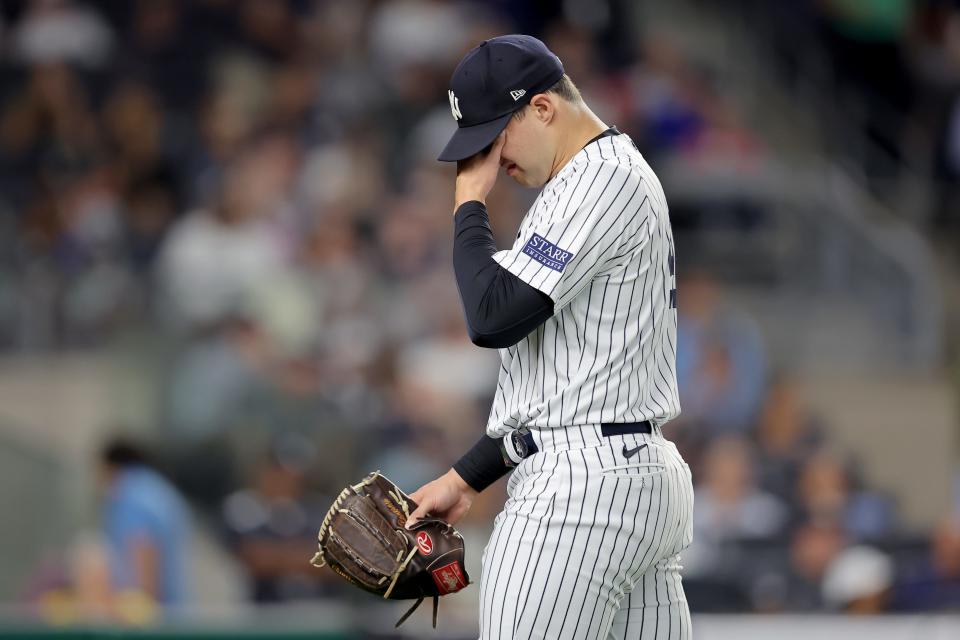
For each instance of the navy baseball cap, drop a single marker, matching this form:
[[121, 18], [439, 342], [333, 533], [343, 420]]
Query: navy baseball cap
[[494, 80]]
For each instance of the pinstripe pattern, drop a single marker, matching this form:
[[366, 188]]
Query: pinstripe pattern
[[588, 548], [614, 320], [587, 543]]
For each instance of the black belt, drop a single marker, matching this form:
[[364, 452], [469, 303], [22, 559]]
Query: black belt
[[608, 429], [524, 446]]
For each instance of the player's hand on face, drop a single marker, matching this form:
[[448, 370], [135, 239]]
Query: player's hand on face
[[477, 174], [448, 498]]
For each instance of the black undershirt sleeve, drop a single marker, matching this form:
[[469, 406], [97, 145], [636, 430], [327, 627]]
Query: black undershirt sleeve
[[483, 464], [500, 308]]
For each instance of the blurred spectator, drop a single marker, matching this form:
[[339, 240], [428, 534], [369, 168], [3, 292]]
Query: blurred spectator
[[825, 494], [786, 437], [272, 526], [859, 581], [227, 363], [133, 127], [721, 364], [678, 112], [214, 260], [146, 524], [823, 488], [48, 136], [662, 100], [813, 548], [729, 506], [151, 204], [935, 585], [90, 577], [269, 27], [409, 33], [79, 588], [163, 51], [62, 31]]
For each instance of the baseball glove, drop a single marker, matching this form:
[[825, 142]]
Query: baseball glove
[[364, 541]]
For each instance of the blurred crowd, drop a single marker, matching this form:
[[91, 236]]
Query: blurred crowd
[[887, 78], [246, 193], [783, 520]]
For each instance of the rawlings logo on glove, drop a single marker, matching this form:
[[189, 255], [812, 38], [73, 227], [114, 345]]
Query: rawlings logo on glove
[[364, 541]]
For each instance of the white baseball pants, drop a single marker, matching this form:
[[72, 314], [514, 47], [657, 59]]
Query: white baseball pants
[[587, 545]]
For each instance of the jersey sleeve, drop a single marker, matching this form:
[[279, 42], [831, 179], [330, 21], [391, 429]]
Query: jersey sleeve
[[595, 219]]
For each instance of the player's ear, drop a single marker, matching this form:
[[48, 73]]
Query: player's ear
[[543, 107]]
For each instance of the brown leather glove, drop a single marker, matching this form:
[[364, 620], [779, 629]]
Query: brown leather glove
[[364, 541]]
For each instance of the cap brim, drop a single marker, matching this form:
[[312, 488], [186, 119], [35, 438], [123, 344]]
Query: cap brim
[[467, 141]]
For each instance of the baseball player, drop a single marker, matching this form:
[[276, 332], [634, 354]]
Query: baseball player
[[583, 311]]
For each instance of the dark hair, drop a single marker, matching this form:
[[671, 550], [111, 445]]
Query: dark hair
[[123, 453], [564, 87]]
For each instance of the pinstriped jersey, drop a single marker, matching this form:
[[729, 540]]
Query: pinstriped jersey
[[598, 241]]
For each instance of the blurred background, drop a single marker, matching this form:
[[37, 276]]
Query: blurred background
[[226, 292]]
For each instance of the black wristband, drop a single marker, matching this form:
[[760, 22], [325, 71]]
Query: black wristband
[[483, 464]]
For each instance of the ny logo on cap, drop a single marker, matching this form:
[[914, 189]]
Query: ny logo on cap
[[454, 105], [516, 94]]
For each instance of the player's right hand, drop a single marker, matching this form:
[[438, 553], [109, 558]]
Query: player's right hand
[[477, 174], [448, 498]]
